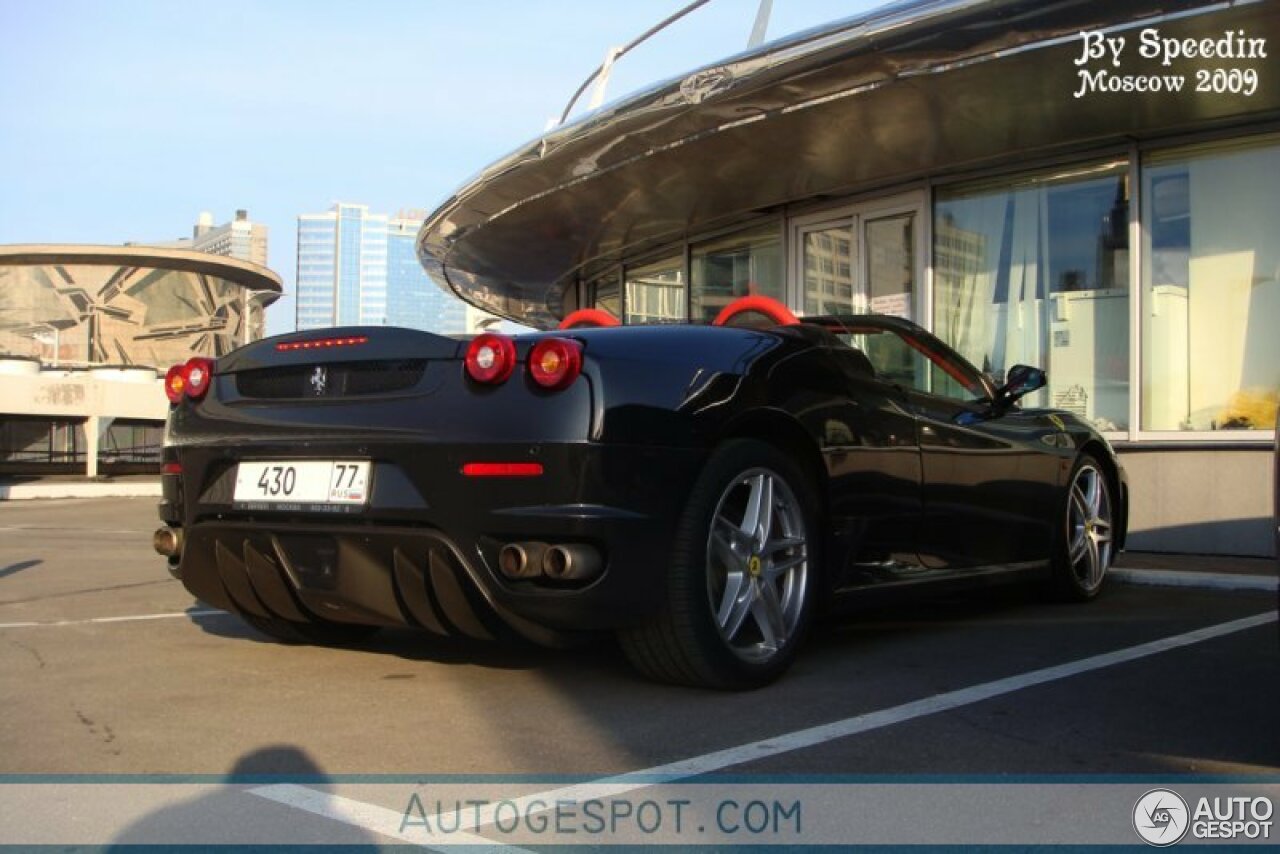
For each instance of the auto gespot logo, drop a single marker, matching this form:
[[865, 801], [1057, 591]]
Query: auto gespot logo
[[1161, 817]]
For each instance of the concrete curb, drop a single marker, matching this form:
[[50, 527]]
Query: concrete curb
[[1202, 580], [25, 491]]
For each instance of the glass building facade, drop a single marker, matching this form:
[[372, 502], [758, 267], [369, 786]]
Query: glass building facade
[[1039, 267], [413, 300], [342, 268], [361, 268]]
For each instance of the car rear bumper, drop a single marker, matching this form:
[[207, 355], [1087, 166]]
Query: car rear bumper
[[424, 552]]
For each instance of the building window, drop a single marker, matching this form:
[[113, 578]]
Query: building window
[[1211, 287], [1035, 271], [827, 279], [655, 292], [736, 265]]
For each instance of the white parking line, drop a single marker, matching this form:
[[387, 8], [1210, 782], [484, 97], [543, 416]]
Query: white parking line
[[1204, 580], [133, 618], [387, 822]]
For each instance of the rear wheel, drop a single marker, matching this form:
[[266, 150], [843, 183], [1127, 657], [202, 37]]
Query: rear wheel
[[742, 577], [1086, 540], [323, 634]]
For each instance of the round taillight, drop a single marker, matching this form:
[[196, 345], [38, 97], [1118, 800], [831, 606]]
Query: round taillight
[[490, 358], [199, 374], [175, 382], [554, 363]]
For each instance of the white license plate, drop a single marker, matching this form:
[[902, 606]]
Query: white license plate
[[303, 481]]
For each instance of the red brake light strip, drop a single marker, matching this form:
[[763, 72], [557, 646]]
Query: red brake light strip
[[321, 343]]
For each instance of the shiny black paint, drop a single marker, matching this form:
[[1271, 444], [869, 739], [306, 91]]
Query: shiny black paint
[[915, 488]]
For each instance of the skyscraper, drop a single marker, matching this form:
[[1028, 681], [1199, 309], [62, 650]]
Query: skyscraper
[[361, 268], [413, 300], [342, 267]]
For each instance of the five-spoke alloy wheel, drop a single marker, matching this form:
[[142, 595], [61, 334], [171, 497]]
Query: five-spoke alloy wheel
[[1087, 543], [743, 575], [757, 564]]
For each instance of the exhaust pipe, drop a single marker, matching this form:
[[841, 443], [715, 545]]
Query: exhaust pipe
[[521, 560], [571, 562], [168, 542]]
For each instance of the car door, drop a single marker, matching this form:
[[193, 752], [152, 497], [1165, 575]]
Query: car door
[[988, 480], [873, 461]]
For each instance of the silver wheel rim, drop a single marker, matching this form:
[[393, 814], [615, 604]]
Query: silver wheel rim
[[1089, 527], [757, 565]]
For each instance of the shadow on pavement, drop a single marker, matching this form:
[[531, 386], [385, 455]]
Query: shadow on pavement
[[231, 816]]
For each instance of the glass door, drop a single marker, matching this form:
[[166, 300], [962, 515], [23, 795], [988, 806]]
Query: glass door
[[891, 269], [864, 259]]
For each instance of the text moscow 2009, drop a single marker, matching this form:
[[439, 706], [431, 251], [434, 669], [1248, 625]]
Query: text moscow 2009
[[1236, 47]]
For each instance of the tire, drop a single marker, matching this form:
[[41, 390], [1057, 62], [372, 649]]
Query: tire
[[1084, 544], [322, 634], [741, 583]]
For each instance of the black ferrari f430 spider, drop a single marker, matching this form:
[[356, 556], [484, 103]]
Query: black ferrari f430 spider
[[701, 491]]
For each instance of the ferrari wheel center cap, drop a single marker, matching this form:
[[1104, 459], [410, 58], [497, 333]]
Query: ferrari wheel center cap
[[753, 566]]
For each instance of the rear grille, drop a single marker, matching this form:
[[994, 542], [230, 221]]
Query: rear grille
[[337, 379]]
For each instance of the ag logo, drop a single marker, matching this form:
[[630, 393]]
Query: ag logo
[[1160, 817]]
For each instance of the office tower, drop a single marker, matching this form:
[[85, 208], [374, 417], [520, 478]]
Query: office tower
[[360, 268], [342, 268]]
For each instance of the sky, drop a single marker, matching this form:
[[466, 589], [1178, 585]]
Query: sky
[[122, 120]]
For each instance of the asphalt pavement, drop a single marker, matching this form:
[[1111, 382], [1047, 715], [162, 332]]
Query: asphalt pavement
[[108, 666]]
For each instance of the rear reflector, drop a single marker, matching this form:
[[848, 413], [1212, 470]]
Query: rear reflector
[[502, 469], [321, 343], [171, 468]]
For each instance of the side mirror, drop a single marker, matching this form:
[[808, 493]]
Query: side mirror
[[1020, 381]]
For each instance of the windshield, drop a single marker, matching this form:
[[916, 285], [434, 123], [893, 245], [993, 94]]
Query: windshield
[[907, 356]]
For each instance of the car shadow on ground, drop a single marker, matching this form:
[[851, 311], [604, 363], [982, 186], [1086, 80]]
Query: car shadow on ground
[[422, 646], [835, 638]]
